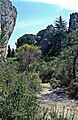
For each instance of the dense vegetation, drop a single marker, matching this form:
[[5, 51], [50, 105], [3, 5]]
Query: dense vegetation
[[58, 61], [25, 39], [50, 56]]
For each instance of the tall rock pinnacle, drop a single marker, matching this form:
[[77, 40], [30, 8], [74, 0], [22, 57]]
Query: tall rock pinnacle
[[73, 22], [8, 15]]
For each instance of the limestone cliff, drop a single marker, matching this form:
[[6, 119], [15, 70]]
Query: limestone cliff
[[73, 22], [8, 14]]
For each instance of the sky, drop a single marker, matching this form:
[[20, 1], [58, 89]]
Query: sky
[[35, 15]]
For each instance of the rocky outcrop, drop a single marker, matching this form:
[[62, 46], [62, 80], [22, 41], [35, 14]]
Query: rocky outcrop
[[8, 14], [42, 37], [73, 22]]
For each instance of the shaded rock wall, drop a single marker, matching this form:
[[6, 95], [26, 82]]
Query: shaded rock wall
[[42, 37], [73, 22], [8, 14]]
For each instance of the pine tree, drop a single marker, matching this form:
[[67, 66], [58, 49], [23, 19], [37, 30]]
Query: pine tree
[[60, 24]]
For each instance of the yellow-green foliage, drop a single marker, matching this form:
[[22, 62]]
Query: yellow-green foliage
[[27, 54], [29, 48], [34, 81]]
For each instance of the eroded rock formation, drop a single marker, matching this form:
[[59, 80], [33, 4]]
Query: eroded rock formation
[[42, 37], [8, 14], [73, 22]]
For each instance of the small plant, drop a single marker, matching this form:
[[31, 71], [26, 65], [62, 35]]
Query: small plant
[[57, 113], [17, 101], [34, 81], [73, 88], [54, 83]]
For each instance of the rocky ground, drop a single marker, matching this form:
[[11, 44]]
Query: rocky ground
[[59, 97]]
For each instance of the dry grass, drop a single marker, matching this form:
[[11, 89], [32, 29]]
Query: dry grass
[[64, 109]]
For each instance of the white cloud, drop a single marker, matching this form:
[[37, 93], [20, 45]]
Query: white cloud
[[68, 4]]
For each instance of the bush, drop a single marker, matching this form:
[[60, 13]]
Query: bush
[[44, 69], [26, 54], [55, 83], [16, 99], [34, 81], [62, 71], [73, 89]]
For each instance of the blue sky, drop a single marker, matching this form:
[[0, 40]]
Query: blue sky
[[34, 15]]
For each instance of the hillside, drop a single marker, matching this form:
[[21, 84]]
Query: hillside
[[39, 79]]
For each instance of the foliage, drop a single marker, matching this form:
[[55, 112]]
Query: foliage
[[17, 101], [60, 24], [57, 42], [44, 69], [25, 39], [21, 77], [34, 82], [13, 53], [53, 39], [26, 54], [73, 89], [55, 83], [62, 70], [10, 52]]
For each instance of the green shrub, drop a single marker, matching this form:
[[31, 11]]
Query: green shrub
[[16, 99], [62, 71], [34, 81], [27, 54], [55, 83], [44, 69], [73, 89]]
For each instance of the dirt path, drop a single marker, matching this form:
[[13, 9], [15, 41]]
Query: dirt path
[[47, 96]]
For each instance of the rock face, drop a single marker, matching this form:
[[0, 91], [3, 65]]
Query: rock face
[[73, 22], [8, 14], [42, 37]]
